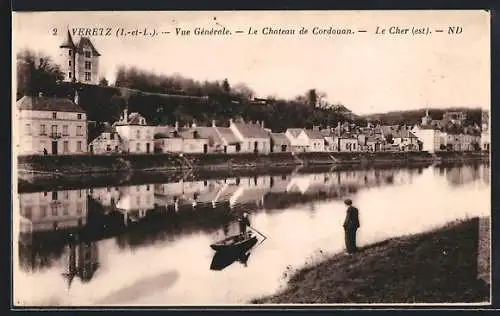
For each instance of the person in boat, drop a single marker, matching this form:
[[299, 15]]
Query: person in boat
[[351, 225], [243, 222]]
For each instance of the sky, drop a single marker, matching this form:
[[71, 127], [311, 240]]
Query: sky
[[365, 71]]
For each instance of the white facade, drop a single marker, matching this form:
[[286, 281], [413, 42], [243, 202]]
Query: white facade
[[107, 142], [137, 137], [430, 139], [52, 132], [253, 137], [299, 142]]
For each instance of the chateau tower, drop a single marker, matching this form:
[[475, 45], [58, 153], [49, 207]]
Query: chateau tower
[[79, 61]]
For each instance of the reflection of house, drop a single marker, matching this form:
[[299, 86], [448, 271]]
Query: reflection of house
[[107, 142], [56, 126], [54, 210], [83, 261], [106, 196], [135, 201], [136, 135], [279, 183], [253, 137]]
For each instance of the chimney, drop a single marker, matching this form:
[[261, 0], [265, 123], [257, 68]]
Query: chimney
[[338, 124], [125, 115], [40, 94], [176, 127], [230, 121], [213, 123], [193, 125], [77, 97], [262, 124]]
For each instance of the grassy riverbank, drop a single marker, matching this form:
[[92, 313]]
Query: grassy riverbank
[[435, 267]]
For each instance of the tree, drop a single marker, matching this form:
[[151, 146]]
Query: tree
[[312, 97], [103, 82], [36, 73]]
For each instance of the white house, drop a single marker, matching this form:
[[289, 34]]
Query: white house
[[136, 135], [298, 139], [485, 132], [108, 141], [49, 125], [406, 140], [429, 136], [316, 140], [253, 137]]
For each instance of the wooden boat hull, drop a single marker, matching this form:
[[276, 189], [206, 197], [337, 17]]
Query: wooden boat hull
[[233, 244]]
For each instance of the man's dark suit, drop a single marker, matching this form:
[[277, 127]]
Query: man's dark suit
[[351, 225]]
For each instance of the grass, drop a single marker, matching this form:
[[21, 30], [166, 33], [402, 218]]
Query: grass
[[435, 267]]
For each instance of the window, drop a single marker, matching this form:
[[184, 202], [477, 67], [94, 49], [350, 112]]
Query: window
[[43, 211], [79, 146], [138, 147], [54, 195], [138, 134], [42, 130], [87, 76], [87, 65], [69, 63], [79, 208], [70, 75], [112, 136], [108, 147], [27, 211], [79, 116], [65, 210], [65, 146], [65, 130], [54, 115], [87, 54], [28, 129], [70, 52], [54, 210], [79, 131]]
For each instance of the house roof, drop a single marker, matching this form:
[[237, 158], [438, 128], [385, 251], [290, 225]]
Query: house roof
[[48, 104], [280, 138], [295, 132], [227, 135], [86, 42], [312, 134], [189, 134], [209, 132], [404, 134], [248, 130]]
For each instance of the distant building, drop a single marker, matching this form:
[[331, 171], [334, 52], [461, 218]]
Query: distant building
[[136, 135], [429, 136], [457, 118], [279, 142], [107, 142], [253, 137], [298, 139], [485, 131], [53, 126], [79, 61]]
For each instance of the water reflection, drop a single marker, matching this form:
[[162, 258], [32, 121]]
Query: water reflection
[[95, 233]]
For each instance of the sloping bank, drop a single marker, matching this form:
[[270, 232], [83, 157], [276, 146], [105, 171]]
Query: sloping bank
[[57, 167], [435, 267]]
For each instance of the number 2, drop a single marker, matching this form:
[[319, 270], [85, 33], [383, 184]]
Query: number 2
[[54, 31]]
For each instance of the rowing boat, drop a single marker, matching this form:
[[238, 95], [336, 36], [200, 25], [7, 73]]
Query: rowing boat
[[239, 242]]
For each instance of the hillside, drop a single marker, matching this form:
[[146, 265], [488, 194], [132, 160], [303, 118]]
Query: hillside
[[411, 117]]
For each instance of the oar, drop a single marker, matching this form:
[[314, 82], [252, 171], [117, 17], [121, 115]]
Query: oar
[[258, 232]]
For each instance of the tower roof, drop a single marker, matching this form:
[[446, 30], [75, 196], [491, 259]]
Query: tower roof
[[68, 42]]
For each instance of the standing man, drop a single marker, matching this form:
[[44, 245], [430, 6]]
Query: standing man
[[351, 225], [243, 222]]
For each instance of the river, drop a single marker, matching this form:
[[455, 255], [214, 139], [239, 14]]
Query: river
[[149, 244]]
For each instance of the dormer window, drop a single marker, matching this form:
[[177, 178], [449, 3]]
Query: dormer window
[[54, 115], [87, 54], [143, 121], [70, 52]]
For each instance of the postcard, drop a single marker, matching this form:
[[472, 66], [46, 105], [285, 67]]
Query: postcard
[[251, 158]]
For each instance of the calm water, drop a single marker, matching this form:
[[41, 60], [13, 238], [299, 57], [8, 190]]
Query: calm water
[[150, 244]]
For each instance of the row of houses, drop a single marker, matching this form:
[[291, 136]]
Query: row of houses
[[59, 126]]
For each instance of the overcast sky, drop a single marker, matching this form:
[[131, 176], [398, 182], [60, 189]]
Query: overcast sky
[[366, 72]]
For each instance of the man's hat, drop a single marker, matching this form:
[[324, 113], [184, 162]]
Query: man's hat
[[348, 202]]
